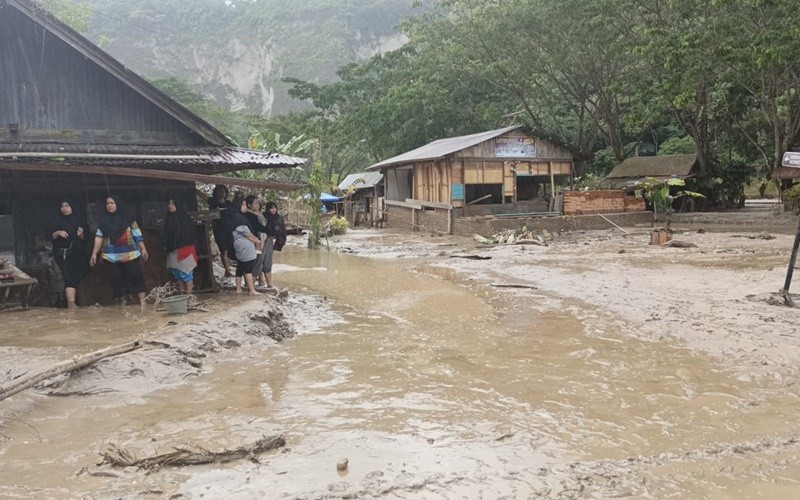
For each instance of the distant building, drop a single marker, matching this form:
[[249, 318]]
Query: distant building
[[637, 168], [361, 192], [501, 171]]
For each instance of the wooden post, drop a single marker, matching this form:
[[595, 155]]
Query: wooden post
[[790, 271], [67, 366], [552, 184]]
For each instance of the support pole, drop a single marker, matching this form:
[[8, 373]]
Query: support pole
[[790, 271]]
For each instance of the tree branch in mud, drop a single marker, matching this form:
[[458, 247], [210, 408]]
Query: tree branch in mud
[[75, 363], [120, 457]]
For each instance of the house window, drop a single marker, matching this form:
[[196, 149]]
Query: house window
[[476, 191]]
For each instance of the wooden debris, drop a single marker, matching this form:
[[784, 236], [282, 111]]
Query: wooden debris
[[75, 363], [472, 257], [194, 455], [514, 285], [513, 237], [679, 244]]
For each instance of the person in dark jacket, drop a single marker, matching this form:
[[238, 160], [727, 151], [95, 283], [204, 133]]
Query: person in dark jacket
[[180, 237], [221, 227], [68, 237], [276, 238]]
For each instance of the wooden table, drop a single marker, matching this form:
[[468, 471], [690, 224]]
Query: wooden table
[[14, 293]]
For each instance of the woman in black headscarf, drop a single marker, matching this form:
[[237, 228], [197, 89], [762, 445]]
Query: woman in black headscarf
[[276, 238], [120, 243], [221, 227], [67, 235], [180, 236]]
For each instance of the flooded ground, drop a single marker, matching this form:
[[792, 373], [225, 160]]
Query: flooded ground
[[433, 384]]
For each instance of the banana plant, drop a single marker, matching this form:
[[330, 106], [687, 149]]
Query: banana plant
[[658, 192]]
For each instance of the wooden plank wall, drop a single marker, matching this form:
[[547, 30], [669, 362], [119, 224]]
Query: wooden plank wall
[[48, 85], [432, 181]]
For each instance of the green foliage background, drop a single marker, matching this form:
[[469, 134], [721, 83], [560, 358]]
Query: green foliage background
[[608, 78]]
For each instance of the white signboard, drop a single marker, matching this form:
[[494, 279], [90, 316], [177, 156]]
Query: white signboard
[[791, 159], [514, 147]]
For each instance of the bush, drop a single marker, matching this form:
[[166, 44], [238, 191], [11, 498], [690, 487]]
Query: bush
[[791, 198], [338, 225]]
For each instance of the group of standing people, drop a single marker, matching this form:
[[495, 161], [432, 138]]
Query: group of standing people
[[244, 234], [119, 242]]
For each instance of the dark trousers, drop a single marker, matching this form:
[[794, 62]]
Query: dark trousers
[[126, 278]]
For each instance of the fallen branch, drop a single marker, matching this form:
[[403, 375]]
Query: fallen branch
[[514, 285], [471, 257], [612, 223], [120, 457], [75, 363]]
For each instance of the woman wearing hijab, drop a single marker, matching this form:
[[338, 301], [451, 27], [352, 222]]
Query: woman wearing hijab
[[180, 236], [245, 244], [120, 243], [67, 235], [276, 238], [259, 225], [221, 227]]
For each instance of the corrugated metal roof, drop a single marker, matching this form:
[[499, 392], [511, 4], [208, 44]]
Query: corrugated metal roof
[[361, 180], [197, 160], [786, 173], [442, 147], [218, 155], [680, 166]]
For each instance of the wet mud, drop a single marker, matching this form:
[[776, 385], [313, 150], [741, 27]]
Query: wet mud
[[431, 382]]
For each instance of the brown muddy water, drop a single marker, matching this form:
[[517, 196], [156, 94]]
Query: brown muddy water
[[433, 386]]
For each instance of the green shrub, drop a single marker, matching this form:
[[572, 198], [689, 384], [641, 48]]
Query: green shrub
[[791, 198], [338, 225]]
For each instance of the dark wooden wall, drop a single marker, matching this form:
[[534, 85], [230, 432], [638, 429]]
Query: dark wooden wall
[[45, 84]]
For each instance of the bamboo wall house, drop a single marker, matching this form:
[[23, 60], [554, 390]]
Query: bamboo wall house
[[503, 171], [76, 123]]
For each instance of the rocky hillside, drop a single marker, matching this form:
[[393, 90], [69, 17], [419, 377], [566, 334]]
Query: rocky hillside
[[237, 52]]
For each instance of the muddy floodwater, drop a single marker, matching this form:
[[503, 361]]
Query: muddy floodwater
[[432, 385]]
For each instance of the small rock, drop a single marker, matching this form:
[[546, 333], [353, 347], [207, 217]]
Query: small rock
[[342, 464]]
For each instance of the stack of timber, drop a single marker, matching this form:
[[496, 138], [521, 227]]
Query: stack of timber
[[513, 237]]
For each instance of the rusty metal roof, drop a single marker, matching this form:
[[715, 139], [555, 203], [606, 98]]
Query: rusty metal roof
[[442, 147], [786, 173], [679, 166], [197, 160]]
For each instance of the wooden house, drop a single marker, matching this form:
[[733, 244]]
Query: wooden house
[[632, 170], [361, 192], [507, 170], [76, 123]]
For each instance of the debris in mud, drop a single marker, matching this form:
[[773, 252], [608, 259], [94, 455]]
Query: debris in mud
[[513, 237], [679, 244], [759, 236], [471, 257], [775, 299], [514, 285], [74, 364], [194, 455], [341, 465]]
